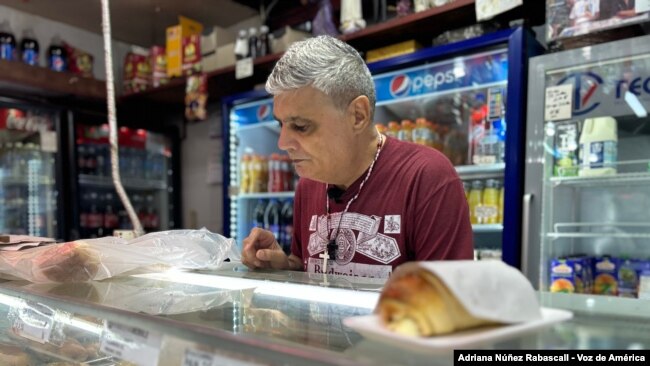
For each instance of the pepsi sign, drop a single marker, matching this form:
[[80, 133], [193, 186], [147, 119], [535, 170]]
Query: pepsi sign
[[473, 71], [259, 111]]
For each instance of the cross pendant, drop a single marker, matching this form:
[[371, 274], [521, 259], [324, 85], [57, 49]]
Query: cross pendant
[[325, 256]]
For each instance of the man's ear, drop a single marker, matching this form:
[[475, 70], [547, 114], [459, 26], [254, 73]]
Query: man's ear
[[359, 110]]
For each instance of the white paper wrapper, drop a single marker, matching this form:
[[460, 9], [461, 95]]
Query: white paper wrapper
[[490, 290]]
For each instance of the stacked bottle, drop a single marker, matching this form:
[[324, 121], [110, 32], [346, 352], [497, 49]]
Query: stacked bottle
[[485, 200], [277, 217], [265, 174]]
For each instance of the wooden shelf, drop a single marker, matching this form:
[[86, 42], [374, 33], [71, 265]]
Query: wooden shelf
[[18, 76]]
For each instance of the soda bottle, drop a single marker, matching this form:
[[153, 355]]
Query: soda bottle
[[245, 176], [287, 225], [502, 196], [393, 129], [29, 48], [272, 218], [241, 45], [57, 59], [111, 219], [491, 201], [287, 173], [475, 200], [7, 42], [258, 213], [406, 132], [91, 160], [252, 43]]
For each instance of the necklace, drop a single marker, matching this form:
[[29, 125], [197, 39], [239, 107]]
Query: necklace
[[332, 246]]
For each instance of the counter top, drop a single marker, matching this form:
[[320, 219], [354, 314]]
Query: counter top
[[280, 317]]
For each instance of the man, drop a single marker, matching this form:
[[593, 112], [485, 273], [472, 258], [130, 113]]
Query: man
[[365, 203]]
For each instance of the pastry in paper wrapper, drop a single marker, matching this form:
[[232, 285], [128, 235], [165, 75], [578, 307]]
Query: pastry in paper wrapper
[[433, 298]]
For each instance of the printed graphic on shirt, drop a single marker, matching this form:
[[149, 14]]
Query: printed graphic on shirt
[[392, 224], [368, 241], [315, 265]]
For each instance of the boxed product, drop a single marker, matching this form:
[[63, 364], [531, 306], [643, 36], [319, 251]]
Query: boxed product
[[283, 39], [217, 49], [192, 54], [158, 59], [79, 62], [606, 276], [567, 18], [563, 276], [565, 152], [393, 50], [137, 70], [174, 46]]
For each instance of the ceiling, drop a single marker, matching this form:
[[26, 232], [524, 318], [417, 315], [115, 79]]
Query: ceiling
[[140, 22]]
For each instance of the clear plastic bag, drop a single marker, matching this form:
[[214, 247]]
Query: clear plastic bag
[[98, 259]]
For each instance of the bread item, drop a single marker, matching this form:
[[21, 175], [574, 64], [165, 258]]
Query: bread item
[[71, 348], [13, 356], [419, 304], [67, 262]]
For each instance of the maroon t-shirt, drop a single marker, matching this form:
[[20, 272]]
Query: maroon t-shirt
[[412, 207]]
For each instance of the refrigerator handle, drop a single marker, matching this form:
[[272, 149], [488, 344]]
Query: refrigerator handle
[[525, 232]]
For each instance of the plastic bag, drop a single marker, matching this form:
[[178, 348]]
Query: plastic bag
[[98, 259]]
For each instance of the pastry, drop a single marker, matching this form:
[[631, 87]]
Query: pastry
[[67, 262], [419, 304], [13, 356]]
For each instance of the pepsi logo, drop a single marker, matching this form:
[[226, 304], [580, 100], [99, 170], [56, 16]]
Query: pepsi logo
[[399, 85], [263, 112]]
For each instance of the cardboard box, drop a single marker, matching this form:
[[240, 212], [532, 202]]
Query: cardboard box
[[223, 57], [174, 45], [281, 43], [393, 50]]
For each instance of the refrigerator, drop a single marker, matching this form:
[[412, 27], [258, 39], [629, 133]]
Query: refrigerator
[[31, 179], [466, 99], [148, 164], [586, 227]]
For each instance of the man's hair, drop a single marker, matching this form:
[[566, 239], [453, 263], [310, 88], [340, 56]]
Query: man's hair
[[326, 64]]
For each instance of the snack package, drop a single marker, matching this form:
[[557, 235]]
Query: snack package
[[79, 62], [98, 259], [196, 97], [440, 297]]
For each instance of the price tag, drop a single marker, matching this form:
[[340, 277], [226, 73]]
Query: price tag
[[131, 344], [48, 141], [34, 322], [197, 358], [244, 68], [558, 102], [641, 6]]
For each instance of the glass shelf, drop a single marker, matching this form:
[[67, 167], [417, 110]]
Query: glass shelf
[[481, 171], [272, 125], [43, 180], [623, 230], [105, 182], [265, 195], [599, 235], [487, 228], [608, 180], [596, 304]]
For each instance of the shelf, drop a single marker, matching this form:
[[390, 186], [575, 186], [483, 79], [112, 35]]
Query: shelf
[[481, 171], [18, 76], [487, 228], [265, 195], [44, 180], [603, 180], [578, 235], [105, 182], [596, 304], [273, 126]]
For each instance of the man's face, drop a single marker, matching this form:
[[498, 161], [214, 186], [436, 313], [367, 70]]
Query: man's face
[[316, 135]]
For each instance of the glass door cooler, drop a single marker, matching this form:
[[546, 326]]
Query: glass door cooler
[[588, 177]]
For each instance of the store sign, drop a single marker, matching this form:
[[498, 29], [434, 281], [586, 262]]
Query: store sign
[[479, 70], [260, 111], [16, 119]]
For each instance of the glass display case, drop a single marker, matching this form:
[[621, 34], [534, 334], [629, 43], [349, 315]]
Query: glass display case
[[587, 231], [235, 317]]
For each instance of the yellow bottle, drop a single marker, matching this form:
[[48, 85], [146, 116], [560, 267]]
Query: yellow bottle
[[393, 129], [256, 174], [475, 200], [245, 178], [491, 201], [502, 195]]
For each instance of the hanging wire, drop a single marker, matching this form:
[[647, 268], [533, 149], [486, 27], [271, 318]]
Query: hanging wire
[[112, 123]]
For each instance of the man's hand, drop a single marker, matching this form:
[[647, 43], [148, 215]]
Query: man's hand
[[261, 250]]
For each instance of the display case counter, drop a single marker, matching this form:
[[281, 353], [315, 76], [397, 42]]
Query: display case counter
[[236, 317]]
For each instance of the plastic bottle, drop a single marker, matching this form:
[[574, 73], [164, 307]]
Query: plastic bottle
[[475, 200], [29, 50], [598, 147], [241, 45], [91, 160], [263, 42], [7, 42], [256, 173], [287, 173], [502, 198], [406, 131], [287, 225], [272, 217], [245, 177], [57, 59], [111, 219], [490, 202], [252, 43], [258, 213]]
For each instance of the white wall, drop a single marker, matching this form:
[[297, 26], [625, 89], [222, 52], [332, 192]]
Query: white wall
[[45, 29]]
